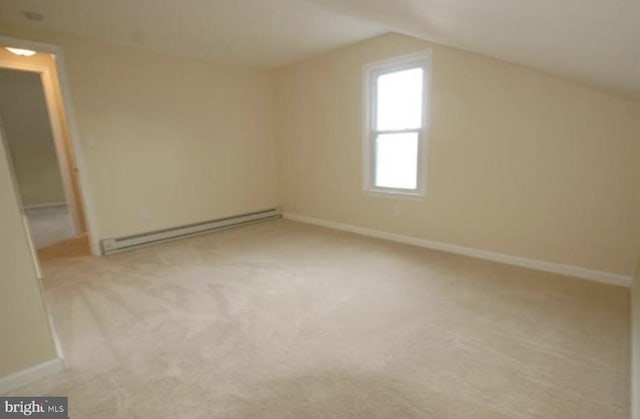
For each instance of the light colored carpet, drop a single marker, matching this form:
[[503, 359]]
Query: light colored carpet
[[49, 225], [282, 320]]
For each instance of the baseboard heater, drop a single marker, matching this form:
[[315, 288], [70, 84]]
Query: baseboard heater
[[121, 244]]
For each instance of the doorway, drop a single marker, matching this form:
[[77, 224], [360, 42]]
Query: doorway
[[36, 167], [40, 147]]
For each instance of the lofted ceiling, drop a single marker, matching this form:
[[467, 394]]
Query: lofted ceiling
[[596, 42]]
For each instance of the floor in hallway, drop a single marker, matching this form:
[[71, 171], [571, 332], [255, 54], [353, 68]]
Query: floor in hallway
[[49, 225]]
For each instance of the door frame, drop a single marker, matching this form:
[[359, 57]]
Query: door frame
[[65, 150]]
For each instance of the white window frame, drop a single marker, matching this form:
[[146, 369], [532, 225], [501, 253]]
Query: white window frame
[[372, 71]]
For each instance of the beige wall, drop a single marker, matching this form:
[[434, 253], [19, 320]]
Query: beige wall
[[180, 139], [28, 130], [24, 328], [520, 163], [635, 317]]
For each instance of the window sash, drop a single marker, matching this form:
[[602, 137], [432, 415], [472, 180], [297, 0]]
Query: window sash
[[373, 89], [373, 163]]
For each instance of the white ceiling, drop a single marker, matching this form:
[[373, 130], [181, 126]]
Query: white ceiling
[[596, 42]]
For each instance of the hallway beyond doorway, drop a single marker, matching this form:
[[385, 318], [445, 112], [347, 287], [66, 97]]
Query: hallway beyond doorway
[[49, 225]]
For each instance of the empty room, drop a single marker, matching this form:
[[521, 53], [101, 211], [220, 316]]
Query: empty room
[[320, 209]]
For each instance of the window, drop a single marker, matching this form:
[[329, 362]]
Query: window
[[396, 122]]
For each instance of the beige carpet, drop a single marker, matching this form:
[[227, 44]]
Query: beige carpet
[[282, 320]]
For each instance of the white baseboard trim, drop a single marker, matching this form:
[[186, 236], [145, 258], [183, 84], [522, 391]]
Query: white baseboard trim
[[18, 379], [558, 268], [45, 205]]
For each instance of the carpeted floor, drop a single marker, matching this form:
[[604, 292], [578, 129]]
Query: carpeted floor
[[282, 320]]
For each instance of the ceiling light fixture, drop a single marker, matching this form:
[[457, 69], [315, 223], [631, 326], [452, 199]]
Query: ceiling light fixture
[[21, 52]]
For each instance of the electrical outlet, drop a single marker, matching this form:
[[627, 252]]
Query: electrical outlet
[[143, 214]]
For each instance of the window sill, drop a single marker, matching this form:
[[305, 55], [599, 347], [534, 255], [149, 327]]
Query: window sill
[[409, 196]]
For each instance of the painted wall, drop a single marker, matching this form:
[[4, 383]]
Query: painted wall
[[167, 140], [520, 163], [28, 134], [635, 318], [26, 342]]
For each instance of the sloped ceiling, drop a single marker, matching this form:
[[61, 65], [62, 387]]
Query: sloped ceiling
[[596, 42]]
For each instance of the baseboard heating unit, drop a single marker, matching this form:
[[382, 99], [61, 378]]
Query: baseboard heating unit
[[121, 244]]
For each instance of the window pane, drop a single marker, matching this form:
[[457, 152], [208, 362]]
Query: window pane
[[399, 100], [397, 160]]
